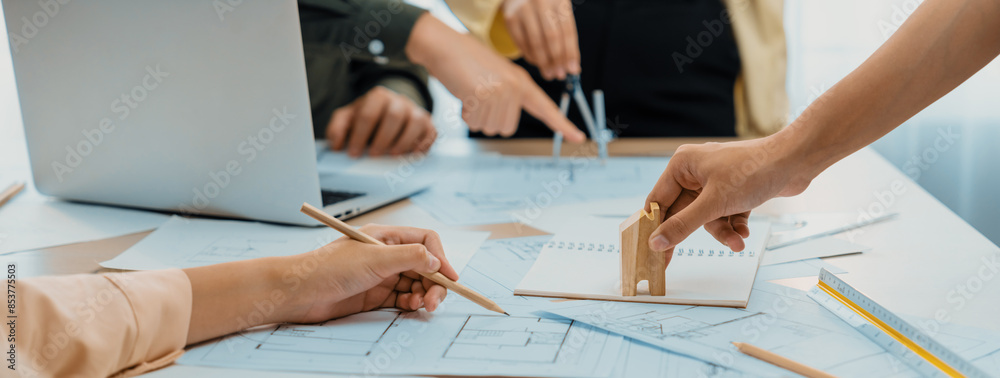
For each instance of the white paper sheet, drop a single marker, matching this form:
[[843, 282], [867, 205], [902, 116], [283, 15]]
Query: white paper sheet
[[823, 247], [184, 243], [583, 261], [32, 221], [790, 229], [795, 269], [779, 319]]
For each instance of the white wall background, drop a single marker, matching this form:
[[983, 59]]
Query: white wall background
[[829, 38], [826, 40]]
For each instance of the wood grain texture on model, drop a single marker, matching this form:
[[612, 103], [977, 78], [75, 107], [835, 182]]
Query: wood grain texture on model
[[638, 261]]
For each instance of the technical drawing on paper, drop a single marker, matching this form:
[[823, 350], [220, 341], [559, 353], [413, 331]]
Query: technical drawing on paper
[[228, 249], [660, 322], [496, 269], [779, 319], [324, 338], [510, 338], [447, 342], [460, 338], [491, 189]]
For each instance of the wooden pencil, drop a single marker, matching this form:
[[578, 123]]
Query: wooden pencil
[[437, 277], [782, 362], [10, 192]]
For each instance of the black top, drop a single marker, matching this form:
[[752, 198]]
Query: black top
[[667, 68]]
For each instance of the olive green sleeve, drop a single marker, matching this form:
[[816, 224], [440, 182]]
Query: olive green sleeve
[[374, 29], [352, 46]]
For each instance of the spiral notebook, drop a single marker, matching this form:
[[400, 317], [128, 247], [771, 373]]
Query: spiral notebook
[[583, 262]]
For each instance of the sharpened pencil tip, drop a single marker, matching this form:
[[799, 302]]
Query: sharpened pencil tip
[[506, 314]]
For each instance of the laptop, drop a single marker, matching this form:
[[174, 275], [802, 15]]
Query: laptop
[[185, 106]]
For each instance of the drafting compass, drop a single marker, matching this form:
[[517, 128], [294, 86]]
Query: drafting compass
[[596, 122]]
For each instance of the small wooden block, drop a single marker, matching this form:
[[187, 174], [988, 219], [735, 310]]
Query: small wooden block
[[638, 262]]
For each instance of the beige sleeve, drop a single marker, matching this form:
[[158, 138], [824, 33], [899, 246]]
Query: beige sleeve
[[120, 324], [760, 97], [484, 19]]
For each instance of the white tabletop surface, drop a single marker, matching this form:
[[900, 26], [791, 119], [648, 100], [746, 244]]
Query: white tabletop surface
[[919, 263]]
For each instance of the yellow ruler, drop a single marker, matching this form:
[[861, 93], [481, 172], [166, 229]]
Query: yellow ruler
[[908, 343]]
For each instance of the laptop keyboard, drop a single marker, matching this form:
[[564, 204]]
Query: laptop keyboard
[[331, 197]]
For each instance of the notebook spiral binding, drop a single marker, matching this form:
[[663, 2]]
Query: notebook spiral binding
[[613, 248], [584, 246], [712, 252]]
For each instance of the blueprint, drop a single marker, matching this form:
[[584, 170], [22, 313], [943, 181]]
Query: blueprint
[[460, 338], [778, 319], [500, 265], [497, 268], [639, 359], [514, 189], [664, 340], [393, 342]]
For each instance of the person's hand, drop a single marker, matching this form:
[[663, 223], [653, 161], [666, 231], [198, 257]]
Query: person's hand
[[717, 184], [545, 31], [391, 121], [348, 276], [342, 278], [492, 89]]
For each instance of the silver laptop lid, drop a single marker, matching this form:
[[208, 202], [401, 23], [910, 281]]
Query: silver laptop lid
[[191, 106]]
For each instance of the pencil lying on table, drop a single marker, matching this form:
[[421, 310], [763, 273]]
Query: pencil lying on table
[[437, 277], [10, 192], [782, 362]]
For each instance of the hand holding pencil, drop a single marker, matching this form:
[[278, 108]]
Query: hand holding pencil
[[436, 277]]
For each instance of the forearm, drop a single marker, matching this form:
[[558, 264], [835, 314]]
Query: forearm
[[428, 41], [941, 45], [233, 296]]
